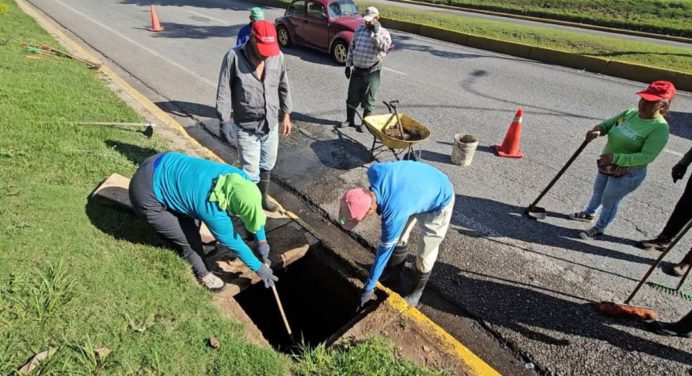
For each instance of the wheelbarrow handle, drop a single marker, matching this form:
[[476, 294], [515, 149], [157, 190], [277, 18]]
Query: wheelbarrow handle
[[389, 108]]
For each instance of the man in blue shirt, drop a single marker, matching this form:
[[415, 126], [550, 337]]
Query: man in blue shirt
[[256, 14], [402, 193]]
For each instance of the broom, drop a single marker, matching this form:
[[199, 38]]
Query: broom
[[638, 312]]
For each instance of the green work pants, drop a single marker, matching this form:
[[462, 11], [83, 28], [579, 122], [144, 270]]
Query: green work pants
[[362, 89]]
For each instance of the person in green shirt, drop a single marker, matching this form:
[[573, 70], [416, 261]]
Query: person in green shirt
[[635, 138]]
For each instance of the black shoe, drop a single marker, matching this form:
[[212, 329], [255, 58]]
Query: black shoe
[[657, 244], [263, 185], [667, 329], [677, 270], [592, 233], [359, 129]]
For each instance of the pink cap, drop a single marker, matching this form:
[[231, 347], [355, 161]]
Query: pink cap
[[354, 206]]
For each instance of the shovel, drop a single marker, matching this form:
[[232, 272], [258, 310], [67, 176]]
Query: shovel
[[393, 104], [148, 127], [538, 212]]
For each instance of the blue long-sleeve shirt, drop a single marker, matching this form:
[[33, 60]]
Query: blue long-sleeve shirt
[[243, 35], [402, 189], [183, 184]]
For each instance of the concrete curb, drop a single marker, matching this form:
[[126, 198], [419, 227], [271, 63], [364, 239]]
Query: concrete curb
[[551, 21], [630, 71]]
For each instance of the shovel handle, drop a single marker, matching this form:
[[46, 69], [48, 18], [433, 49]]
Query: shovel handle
[[281, 309], [559, 174]]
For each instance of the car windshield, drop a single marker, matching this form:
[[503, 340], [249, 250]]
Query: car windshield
[[342, 8]]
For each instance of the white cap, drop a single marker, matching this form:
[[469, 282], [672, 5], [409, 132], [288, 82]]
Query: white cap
[[370, 13]]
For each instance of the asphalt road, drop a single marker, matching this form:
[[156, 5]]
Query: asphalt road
[[528, 283]]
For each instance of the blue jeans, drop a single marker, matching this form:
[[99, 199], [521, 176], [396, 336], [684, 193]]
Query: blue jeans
[[608, 191], [256, 151]]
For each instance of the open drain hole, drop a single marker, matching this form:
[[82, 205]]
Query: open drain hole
[[317, 301]]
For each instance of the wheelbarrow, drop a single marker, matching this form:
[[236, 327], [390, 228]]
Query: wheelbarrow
[[377, 124]]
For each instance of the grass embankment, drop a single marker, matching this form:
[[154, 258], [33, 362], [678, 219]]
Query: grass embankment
[[663, 17], [655, 55], [77, 276]]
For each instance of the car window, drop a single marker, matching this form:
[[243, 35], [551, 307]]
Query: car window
[[316, 10], [341, 8], [297, 8]]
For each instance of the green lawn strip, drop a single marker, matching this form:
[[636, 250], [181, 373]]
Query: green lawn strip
[[115, 285], [76, 275], [665, 17], [374, 357], [655, 55]]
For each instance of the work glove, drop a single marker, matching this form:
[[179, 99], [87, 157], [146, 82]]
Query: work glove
[[226, 130], [348, 73], [376, 27], [267, 276], [263, 250], [678, 172], [365, 297]]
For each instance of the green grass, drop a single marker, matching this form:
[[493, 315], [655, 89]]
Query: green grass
[[374, 357], [75, 275], [78, 276], [665, 17], [655, 55]]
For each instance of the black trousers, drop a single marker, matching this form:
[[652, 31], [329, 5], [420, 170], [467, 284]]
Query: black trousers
[[179, 229], [681, 214]]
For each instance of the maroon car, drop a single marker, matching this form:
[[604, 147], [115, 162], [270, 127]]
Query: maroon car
[[326, 25]]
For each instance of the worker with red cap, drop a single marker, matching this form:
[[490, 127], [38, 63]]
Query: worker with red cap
[[402, 193], [251, 100], [635, 138]]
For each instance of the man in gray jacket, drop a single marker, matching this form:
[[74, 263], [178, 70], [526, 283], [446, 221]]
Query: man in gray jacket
[[253, 85]]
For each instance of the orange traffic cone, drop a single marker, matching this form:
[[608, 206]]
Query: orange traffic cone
[[510, 145], [155, 25]]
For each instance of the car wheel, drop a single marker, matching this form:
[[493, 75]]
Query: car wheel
[[339, 51], [284, 36]]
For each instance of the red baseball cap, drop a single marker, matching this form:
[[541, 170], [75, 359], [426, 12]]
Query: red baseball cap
[[354, 206], [265, 36], [658, 90]]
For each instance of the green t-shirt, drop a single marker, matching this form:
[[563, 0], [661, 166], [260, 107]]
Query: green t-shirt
[[633, 141]]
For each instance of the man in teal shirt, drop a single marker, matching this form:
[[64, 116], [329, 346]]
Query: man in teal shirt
[[174, 192]]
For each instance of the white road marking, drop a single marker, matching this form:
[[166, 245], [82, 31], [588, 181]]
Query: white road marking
[[673, 152], [394, 71], [143, 47], [223, 22]]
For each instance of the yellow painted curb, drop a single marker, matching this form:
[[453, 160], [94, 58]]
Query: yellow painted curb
[[475, 364], [478, 366]]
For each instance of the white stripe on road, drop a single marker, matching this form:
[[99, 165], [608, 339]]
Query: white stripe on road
[[223, 22], [143, 47], [673, 152], [394, 71]]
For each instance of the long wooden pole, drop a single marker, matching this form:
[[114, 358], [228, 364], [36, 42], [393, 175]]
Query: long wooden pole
[[281, 309]]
